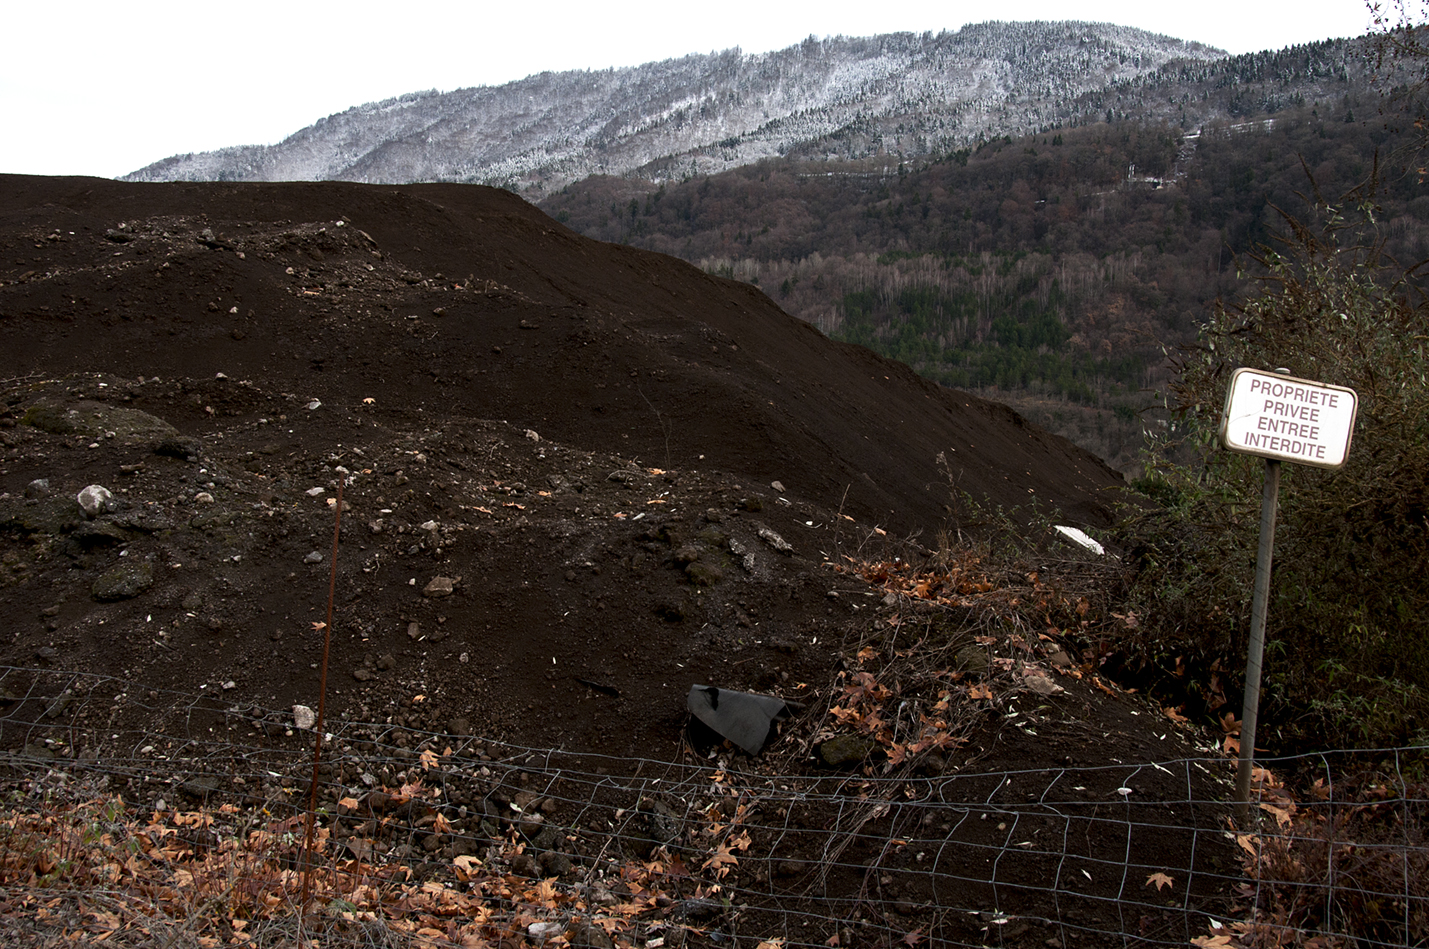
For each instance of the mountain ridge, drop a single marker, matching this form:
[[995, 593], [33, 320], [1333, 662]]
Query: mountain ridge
[[700, 114]]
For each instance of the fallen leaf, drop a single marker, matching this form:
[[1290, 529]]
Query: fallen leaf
[[429, 759], [1160, 880], [1282, 814], [720, 861]]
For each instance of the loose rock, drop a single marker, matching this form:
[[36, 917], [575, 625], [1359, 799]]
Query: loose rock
[[439, 586], [95, 500], [304, 717], [844, 750], [124, 582], [771, 538]]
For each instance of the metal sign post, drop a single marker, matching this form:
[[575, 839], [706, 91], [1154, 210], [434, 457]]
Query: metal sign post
[[1260, 595], [1280, 418]]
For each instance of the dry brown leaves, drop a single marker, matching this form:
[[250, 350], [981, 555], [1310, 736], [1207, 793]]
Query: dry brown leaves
[[97, 870]]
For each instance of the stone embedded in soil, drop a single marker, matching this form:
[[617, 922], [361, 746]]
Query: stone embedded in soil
[[199, 788], [704, 574], [183, 447], [770, 537], [39, 488], [581, 934], [439, 586], [98, 533], [124, 582], [96, 420], [58, 706], [1041, 684], [656, 825], [973, 659], [697, 910], [531, 825], [842, 751], [789, 868]]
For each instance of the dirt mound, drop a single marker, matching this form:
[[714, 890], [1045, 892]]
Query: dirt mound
[[577, 479], [580, 435], [464, 300]]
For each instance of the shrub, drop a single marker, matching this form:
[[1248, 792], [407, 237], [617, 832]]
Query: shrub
[[1348, 625]]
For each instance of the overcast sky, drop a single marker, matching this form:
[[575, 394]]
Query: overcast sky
[[104, 88]]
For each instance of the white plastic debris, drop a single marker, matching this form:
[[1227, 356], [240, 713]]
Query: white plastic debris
[[1079, 537]]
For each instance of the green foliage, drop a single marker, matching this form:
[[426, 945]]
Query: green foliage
[[1349, 611], [1006, 333]]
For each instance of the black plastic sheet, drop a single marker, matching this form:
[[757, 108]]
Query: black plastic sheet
[[745, 718]]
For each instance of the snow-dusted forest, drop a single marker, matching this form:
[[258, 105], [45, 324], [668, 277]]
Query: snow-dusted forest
[[906, 94]]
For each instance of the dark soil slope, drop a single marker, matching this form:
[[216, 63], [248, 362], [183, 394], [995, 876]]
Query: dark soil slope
[[457, 299], [577, 434]]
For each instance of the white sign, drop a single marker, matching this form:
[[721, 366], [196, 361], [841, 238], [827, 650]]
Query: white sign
[[1289, 419]]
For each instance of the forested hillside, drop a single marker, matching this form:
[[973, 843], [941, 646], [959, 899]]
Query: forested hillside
[[839, 97], [1051, 271]]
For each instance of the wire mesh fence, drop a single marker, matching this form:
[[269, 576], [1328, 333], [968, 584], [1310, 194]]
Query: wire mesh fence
[[131, 808]]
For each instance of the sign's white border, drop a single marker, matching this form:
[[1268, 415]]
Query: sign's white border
[[1288, 419]]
